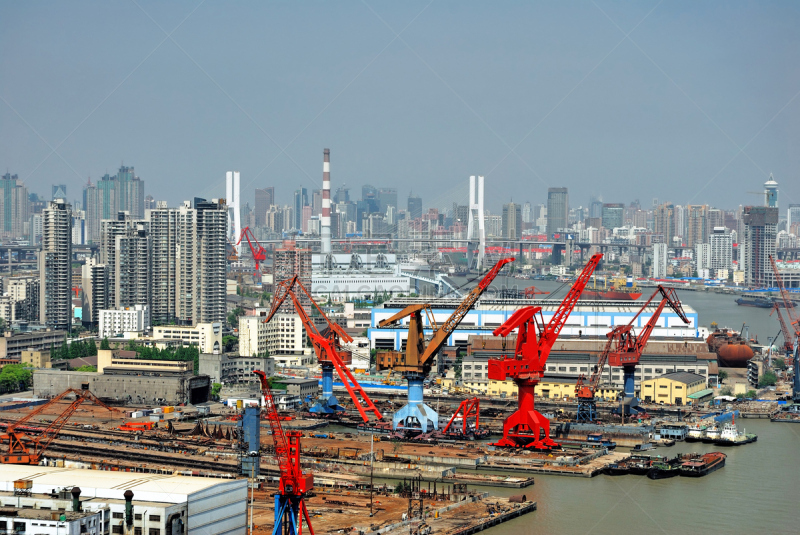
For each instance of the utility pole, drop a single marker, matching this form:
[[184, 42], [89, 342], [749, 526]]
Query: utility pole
[[252, 477], [371, 469]]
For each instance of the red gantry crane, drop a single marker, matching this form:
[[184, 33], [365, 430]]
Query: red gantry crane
[[527, 428], [469, 408], [624, 348], [788, 338], [259, 253], [328, 353], [794, 324], [415, 364], [26, 449], [294, 485]]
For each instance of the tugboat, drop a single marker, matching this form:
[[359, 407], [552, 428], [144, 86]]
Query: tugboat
[[663, 471], [711, 434], [731, 436], [617, 469], [696, 433], [703, 465]]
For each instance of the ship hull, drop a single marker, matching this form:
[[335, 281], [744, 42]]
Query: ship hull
[[611, 295]]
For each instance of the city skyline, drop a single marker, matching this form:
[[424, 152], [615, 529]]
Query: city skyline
[[702, 117]]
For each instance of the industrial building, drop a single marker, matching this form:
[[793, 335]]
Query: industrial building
[[357, 276], [228, 368], [13, 344], [162, 504], [680, 388], [207, 336]]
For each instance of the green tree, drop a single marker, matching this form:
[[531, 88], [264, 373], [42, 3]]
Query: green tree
[[768, 378], [2, 325], [722, 375], [86, 368], [14, 377], [104, 344], [229, 342], [727, 391], [233, 317], [215, 388], [779, 364]]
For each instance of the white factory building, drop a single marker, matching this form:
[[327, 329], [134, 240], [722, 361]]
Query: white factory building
[[118, 321], [162, 504], [588, 319], [357, 276]]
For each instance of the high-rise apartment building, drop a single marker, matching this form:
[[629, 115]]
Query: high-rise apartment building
[[721, 249], [300, 201], [265, 197], [527, 213], [758, 243], [287, 262], [94, 281], [702, 257], [13, 207], [665, 222], [792, 216], [414, 207], [55, 266], [557, 210], [125, 250], [123, 192], [512, 221], [659, 260], [696, 224]]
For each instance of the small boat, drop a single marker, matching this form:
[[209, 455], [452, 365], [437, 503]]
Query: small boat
[[758, 302], [596, 441], [712, 434], [663, 471], [703, 465], [731, 436], [695, 433], [640, 467], [616, 469], [645, 446]]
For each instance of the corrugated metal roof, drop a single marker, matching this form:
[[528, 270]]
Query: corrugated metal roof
[[701, 394], [683, 377]]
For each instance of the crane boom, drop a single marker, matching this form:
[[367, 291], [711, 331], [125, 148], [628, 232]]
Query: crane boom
[[794, 321], [259, 253], [787, 335]]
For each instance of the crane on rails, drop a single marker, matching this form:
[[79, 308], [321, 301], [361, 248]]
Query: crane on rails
[[294, 484], [328, 353], [624, 348], [259, 253], [467, 409], [415, 364], [794, 324], [26, 449], [527, 427]]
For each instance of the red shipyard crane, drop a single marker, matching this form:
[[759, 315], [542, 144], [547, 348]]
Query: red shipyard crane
[[624, 348], [259, 253], [328, 353], [294, 485], [415, 364], [794, 325], [527, 428], [788, 337]]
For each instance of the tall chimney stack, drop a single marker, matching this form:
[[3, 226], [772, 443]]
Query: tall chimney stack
[[326, 202]]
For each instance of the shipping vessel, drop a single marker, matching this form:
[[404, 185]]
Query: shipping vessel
[[663, 471], [759, 302], [622, 289], [731, 436], [702, 465], [733, 351]]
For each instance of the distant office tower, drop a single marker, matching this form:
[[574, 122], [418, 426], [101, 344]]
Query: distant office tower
[[792, 216], [702, 256], [512, 221], [289, 261], [696, 224], [125, 249], [721, 249], [35, 236], [368, 191], [78, 227], [760, 232], [771, 192], [613, 215], [414, 207], [460, 214], [59, 191], [316, 202], [233, 200], [55, 266], [665, 222], [149, 202], [94, 281], [188, 265], [596, 208], [557, 210], [659, 260], [386, 197], [342, 195], [300, 201], [13, 207], [679, 222], [265, 197], [123, 192]]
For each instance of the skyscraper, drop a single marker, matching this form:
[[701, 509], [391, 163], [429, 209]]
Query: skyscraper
[[55, 266], [613, 215], [387, 197], [13, 207], [721, 250], [527, 213], [696, 224], [265, 197], [665, 222], [512, 221], [557, 210], [300, 200], [125, 249], [414, 207], [659, 260], [771, 192], [59, 191], [792, 216], [758, 243], [123, 192]]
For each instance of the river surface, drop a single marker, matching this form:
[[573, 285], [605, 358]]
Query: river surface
[[755, 493]]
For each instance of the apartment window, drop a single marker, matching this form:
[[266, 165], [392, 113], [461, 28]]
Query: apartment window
[[648, 370], [116, 529], [154, 531], [573, 368], [659, 370], [137, 531], [154, 518], [562, 368], [118, 515], [137, 517]]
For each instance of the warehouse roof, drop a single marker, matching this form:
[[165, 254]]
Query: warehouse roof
[[683, 377], [108, 484]]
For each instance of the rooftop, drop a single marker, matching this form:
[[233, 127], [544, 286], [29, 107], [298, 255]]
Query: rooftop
[[683, 377]]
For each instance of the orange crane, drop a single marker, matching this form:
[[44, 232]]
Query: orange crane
[[527, 427], [415, 364], [788, 344], [794, 323], [259, 253], [532, 291], [328, 353], [624, 348], [469, 408], [20, 453], [294, 485]]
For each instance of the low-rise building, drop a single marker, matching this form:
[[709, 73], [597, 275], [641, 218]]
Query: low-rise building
[[13, 344], [673, 388], [135, 319], [208, 336], [231, 369], [36, 359], [253, 335], [299, 387]]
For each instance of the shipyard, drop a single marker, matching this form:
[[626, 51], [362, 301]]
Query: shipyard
[[399, 268]]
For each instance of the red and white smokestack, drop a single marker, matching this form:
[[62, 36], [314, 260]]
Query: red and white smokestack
[[326, 202]]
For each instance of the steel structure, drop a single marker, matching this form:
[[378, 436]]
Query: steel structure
[[469, 408], [294, 485], [788, 344], [624, 348], [259, 253], [794, 324], [532, 291], [526, 427], [415, 364], [19, 452], [327, 350]]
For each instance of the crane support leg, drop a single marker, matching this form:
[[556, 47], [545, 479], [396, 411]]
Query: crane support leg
[[587, 410], [527, 428], [415, 414], [327, 403], [630, 404]]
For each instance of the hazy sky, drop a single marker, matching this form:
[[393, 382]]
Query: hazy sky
[[699, 103]]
